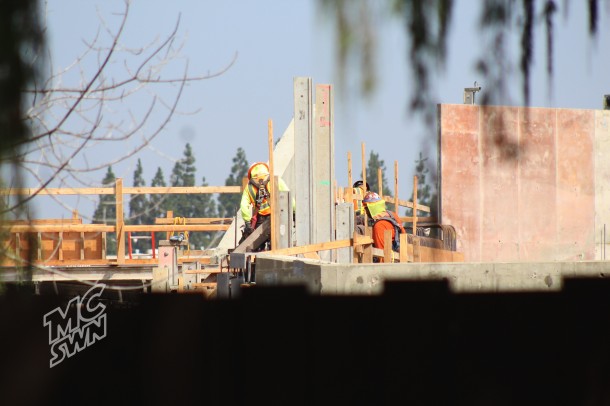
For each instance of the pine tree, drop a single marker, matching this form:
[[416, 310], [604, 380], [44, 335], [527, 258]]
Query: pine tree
[[371, 174], [190, 206], [105, 213], [183, 175], [137, 209], [204, 206], [228, 203], [157, 204]]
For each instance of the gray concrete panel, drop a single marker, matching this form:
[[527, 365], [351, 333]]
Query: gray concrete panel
[[303, 135]]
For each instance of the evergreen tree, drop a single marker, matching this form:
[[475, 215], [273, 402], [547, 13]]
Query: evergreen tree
[[183, 175], [371, 174], [190, 206], [157, 204], [137, 209], [228, 203], [105, 213], [204, 206]]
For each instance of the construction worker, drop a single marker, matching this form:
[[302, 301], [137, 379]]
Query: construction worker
[[383, 219], [255, 200], [359, 188]]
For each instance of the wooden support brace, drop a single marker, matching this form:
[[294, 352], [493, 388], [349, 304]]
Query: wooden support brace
[[404, 248], [387, 246], [39, 246], [311, 255], [104, 245], [82, 246], [60, 243], [18, 245], [416, 249], [367, 255]]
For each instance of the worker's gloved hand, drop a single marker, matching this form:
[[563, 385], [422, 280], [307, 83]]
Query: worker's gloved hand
[[248, 229]]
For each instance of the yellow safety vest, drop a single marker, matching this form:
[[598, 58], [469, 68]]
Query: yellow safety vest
[[264, 209]]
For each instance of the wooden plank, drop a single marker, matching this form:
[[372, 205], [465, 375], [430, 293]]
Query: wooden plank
[[414, 205], [417, 250], [126, 190], [349, 188], [404, 248], [50, 228], [311, 255], [18, 245], [387, 246], [422, 221], [201, 271], [39, 246], [406, 203], [204, 285], [60, 250], [197, 220], [367, 255], [323, 246], [43, 221], [396, 187], [177, 227], [82, 246], [104, 245], [273, 187], [120, 222]]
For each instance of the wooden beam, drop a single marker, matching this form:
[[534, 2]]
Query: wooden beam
[[323, 246], [120, 222], [396, 188], [404, 248], [273, 187], [415, 205], [126, 190], [350, 180], [197, 220], [44, 228], [406, 203], [387, 246]]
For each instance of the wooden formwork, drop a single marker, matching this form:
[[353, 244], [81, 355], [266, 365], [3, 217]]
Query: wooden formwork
[[53, 246]]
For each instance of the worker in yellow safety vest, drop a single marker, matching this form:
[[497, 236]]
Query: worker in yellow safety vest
[[359, 188], [255, 200]]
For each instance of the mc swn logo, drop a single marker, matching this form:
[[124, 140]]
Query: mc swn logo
[[80, 325]]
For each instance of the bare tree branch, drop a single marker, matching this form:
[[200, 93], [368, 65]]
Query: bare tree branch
[[122, 99]]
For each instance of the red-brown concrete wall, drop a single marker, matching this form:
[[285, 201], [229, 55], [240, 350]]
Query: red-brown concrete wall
[[518, 183]]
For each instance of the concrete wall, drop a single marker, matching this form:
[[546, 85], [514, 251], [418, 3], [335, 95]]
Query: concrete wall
[[368, 279], [525, 184]]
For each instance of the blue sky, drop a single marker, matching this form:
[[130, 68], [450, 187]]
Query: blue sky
[[276, 41]]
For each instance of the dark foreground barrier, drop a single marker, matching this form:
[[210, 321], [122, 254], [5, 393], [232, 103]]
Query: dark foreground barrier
[[416, 344]]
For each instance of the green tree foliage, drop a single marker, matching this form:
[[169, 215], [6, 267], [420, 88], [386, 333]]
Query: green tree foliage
[[188, 205], [204, 206], [372, 167], [138, 205], [228, 203], [105, 213], [156, 204], [426, 191], [183, 175]]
